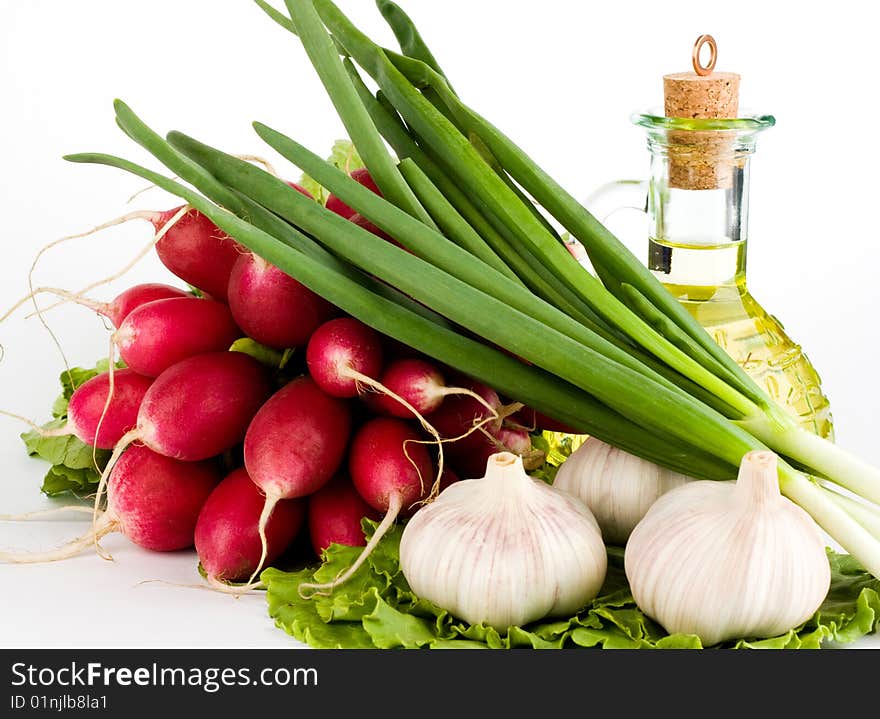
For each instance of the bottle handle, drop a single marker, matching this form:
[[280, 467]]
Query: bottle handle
[[608, 199]]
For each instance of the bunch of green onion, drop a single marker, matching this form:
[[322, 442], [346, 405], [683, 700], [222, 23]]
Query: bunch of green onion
[[486, 282]]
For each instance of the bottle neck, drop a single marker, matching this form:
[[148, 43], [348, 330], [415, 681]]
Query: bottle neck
[[698, 210]]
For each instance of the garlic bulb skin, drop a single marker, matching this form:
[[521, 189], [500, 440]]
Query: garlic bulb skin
[[504, 550], [618, 487], [728, 559]]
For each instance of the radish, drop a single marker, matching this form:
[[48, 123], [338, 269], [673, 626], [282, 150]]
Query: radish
[[294, 445], [202, 406], [271, 307], [161, 333], [132, 298], [153, 500], [226, 535], [389, 465], [343, 353], [336, 205], [197, 251], [197, 408], [99, 419], [335, 513]]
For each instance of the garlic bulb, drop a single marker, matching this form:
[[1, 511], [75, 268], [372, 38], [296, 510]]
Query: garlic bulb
[[504, 550], [618, 487], [728, 559]]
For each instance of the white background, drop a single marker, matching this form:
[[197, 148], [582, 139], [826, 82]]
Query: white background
[[561, 77]]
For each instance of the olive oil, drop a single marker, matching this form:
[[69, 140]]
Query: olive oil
[[736, 321]]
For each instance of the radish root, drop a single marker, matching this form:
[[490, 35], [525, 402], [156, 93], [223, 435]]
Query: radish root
[[247, 158], [120, 447], [111, 376], [78, 296], [448, 391], [42, 513], [42, 431], [64, 294], [308, 590], [260, 161], [268, 507], [214, 585], [105, 525]]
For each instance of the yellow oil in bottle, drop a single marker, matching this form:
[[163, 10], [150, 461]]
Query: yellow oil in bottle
[[755, 339]]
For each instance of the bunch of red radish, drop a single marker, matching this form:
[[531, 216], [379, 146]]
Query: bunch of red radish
[[353, 435]]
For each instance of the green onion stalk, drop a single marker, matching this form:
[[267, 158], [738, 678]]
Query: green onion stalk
[[482, 281]]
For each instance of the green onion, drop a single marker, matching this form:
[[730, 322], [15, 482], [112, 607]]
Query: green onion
[[325, 58]]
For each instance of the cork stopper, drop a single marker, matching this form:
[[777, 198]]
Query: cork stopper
[[701, 160], [707, 97]]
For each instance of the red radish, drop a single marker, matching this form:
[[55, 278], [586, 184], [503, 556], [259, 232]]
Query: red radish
[[294, 445], [151, 499], [343, 353], [271, 307], [226, 535], [390, 467], [132, 298], [197, 251], [362, 176], [389, 464], [335, 513], [86, 409], [202, 406], [297, 440], [187, 243], [197, 408], [157, 499], [191, 246], [161, 333]]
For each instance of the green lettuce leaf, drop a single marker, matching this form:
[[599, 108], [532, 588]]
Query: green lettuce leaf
[[377, 609], [345, 157]]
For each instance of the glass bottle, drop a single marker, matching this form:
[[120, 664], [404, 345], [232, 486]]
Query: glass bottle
[[697, 202]]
